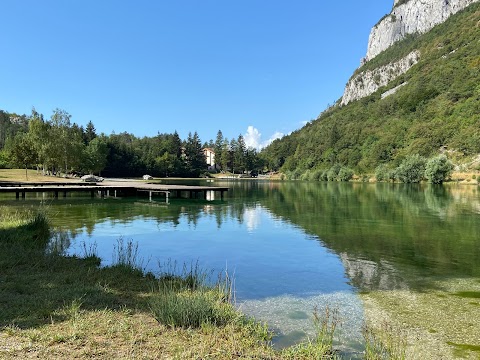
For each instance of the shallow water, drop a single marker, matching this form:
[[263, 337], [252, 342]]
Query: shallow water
[[293, 246]]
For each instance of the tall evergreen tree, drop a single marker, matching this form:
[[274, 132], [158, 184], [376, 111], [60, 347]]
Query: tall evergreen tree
[[218, 148], [90, 133], [240, 153], [194, 156]]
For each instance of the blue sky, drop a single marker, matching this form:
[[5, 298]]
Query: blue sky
[[148, 66]]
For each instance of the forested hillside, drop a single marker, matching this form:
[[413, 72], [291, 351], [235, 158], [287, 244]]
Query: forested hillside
[[437, 109]]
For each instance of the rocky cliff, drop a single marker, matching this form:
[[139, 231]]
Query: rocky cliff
[[407, 17], [367, 82], [410, 17]]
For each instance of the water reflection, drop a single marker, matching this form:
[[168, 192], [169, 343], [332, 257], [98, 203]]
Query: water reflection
[[295, 245]]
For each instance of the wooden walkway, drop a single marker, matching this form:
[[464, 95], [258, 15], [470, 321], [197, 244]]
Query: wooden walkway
[[114, 188]]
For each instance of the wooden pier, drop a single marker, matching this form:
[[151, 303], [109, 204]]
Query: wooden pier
[[113, 188]]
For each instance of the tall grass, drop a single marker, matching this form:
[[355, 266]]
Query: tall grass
[[125, 256], [384, 344], [321, 346], [187, 300], [31, 228]]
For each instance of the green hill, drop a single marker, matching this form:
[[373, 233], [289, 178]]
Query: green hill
[[437, 110]]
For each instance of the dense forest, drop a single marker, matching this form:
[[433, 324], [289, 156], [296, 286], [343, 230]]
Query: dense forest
[[437, 111], [59, 147]]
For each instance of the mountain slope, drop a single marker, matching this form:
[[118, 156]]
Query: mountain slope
[[433, 105]]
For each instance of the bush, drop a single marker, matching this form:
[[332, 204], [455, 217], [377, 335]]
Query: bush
[[306, 176], [438, 169], [296, 174], [411, 170], [365, 178], [382, 173], [324, 175], [332, 173], [316, 175], [345, 174], [392, 174]]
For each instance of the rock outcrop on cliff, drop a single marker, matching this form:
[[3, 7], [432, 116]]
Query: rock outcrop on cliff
[[407, 17], [410, 17], [367, 82]]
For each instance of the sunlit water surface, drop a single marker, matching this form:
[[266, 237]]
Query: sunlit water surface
[[292, 247]]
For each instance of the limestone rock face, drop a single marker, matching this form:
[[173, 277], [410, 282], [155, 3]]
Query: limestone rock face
[[409, 17], [367, 82]]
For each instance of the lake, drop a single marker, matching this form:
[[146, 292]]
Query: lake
[[409, 255]]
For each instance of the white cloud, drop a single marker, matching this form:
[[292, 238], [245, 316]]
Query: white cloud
[[253, 138], [275, 136]]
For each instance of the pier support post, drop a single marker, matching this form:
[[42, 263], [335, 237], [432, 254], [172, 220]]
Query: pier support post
[[92, 193], [17, 195]]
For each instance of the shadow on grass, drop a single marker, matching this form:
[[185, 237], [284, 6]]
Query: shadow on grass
[[36, 286]]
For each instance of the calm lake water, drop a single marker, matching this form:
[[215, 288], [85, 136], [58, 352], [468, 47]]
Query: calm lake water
[[293, 246]]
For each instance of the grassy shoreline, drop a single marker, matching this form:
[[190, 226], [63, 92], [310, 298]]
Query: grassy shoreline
[[18, 175], [53, 306]]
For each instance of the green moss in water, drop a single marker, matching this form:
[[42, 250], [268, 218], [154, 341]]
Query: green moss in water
[[462, 349], [432, 331], [297, 315], [290, 339], [468, 294]]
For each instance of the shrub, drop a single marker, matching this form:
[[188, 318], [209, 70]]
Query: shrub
[[306, 176], [382, 173], [365, 178], [316, 175], [392, 174], [296, 174], [345, 174], [438, 169], [411, 170], [324, 175], [332, 173]]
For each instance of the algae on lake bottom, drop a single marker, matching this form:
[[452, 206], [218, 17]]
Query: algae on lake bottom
[[440, 323]]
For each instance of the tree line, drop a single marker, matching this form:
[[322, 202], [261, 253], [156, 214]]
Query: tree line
[[59, 146]]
